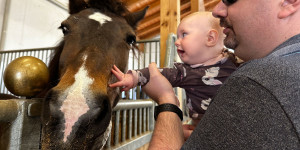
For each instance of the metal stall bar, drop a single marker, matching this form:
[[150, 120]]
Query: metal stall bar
[[145, 119], [140, 120], [137, 60], [135, 123], [117, 125], [130, 125], [139, 138], [171, 51], [124, 120]]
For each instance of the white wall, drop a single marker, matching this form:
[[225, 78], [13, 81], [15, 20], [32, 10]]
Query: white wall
[[32, 24], [2, 10]]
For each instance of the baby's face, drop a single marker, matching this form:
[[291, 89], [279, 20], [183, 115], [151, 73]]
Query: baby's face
[[192, 34]]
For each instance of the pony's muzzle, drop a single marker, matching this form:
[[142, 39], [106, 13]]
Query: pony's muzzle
[[69, 117]]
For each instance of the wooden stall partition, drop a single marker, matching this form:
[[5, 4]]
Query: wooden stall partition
[[169, 20], [197, 5]]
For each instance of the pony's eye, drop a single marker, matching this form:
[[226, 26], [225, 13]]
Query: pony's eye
[[130, 39], [64, 29]]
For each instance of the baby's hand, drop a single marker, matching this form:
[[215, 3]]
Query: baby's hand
[[125, 80], [187, 130], [159, 88]]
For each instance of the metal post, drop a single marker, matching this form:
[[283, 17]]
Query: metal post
[[23, 124], [117, 125], [123, 126], [130, 124]]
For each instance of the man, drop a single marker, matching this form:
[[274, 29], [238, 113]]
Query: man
[[258, 107]]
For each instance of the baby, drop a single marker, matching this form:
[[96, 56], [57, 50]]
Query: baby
[[206, 65]]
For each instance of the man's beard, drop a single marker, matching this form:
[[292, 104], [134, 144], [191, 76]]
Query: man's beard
[[230, 40]]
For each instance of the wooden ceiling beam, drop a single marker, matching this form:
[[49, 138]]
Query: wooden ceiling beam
[[157, 19], [211, 4], [150, 25], [185, 6], [185, 14], [150, 31], [139, 5]]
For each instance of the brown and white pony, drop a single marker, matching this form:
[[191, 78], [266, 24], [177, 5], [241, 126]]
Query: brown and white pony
[[78, 107]]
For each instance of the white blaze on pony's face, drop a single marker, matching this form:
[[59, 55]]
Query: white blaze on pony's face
[[101, 18], [75, 104]]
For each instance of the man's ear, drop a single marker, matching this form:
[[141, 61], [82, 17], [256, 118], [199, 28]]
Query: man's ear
[[212, 38], [288, 7]]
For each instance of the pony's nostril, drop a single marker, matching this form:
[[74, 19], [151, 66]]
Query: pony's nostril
[[101, 101]]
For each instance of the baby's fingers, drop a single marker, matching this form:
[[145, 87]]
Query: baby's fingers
[[119, 75], [125, 88], [117, 69], [117, 84]]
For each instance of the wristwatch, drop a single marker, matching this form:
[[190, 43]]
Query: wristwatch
[[167, 107]]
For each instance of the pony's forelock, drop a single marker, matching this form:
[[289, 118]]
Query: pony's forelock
[[113, 6]]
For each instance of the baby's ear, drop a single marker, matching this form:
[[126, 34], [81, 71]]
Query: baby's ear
[[212, 38], [288, 7]]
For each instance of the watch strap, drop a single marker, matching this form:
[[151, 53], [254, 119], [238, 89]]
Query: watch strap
[[167, 107]]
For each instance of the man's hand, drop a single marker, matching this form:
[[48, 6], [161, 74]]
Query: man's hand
[[125, 80], [159, 88]]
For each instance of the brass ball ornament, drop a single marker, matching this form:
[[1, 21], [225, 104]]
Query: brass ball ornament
[[26, 76]]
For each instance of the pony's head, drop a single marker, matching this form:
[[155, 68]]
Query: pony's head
[[78, 107]]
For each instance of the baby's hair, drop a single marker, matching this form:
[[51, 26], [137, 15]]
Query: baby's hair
[[213, 22]]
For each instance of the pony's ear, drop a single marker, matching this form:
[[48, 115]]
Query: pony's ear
[[135, 17], [76, 6]]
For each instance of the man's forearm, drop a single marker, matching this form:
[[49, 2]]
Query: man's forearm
[[168, 132]]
